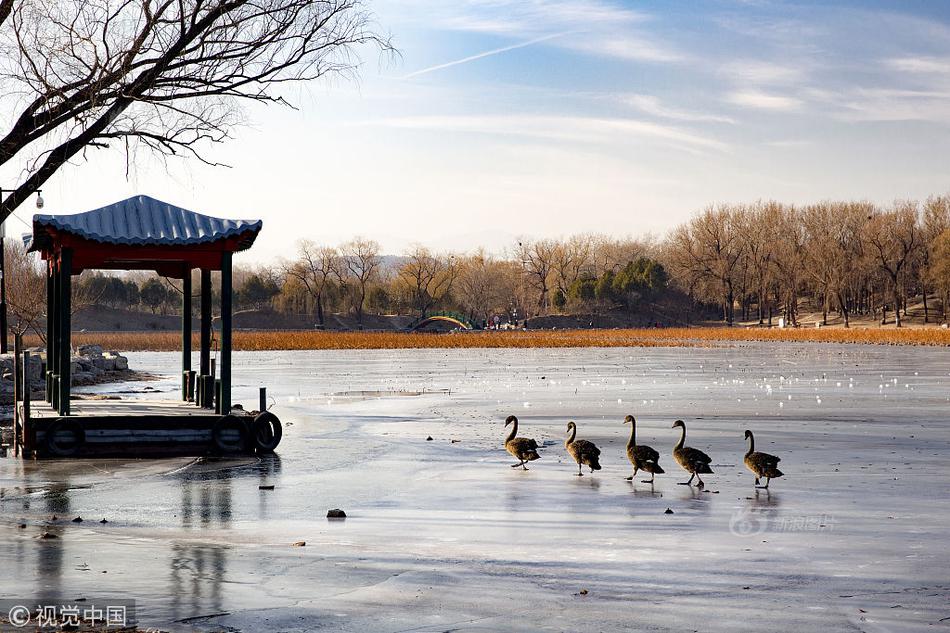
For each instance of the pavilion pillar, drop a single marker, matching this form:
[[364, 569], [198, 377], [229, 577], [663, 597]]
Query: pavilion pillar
[[186, 387], [65, 349], [225, 407], [57, 331], [50, 329], [204, 353]]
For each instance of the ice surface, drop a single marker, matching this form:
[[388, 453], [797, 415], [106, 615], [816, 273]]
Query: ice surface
[[443, 535]]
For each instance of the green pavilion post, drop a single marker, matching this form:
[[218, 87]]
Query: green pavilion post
[[54, 341], [225, 332], [65, 326], [186, 386], [50, 325], [204, 353]]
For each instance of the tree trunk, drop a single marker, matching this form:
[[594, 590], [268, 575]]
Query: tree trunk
[[923, 290], [844, 310], [897, 304], [319, 309]]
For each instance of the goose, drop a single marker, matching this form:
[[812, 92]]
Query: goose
[[583, 452], [690, 459], [522, 448], [761, 464], [640, 455]]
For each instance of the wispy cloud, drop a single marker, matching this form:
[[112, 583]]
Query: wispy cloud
[[624, 46], [482, 55], [761, 72], [763, 100], [517, 16], [649, 104], [887, 104], [597, 27], [920, 65], [559, 128]]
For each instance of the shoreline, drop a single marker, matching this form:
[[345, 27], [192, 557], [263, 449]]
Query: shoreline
[[281, 340]]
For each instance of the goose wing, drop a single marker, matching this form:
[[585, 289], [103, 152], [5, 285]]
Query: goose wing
[[645, 453], [696, 456], [586, 448], [522, 447], [764, 465]]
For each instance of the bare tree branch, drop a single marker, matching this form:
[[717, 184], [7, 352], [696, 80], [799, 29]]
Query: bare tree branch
[[164, 75]]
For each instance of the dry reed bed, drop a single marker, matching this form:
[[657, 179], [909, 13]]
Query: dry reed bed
[[665, 337]]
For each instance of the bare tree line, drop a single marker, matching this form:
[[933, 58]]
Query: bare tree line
[[752, 263], [768, 259]]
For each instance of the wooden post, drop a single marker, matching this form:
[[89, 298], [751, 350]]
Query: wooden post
[[204, 368], [262, 405], [65, 356], [186, 335], [50, 301], [225, 333]]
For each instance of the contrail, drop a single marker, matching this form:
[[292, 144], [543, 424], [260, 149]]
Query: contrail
[[470, 58]]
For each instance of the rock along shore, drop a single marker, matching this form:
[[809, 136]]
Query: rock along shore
[[91, 365]]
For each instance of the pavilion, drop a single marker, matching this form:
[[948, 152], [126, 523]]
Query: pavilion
[[142, 233]]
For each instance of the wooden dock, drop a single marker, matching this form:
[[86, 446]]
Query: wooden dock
[[99, 428]]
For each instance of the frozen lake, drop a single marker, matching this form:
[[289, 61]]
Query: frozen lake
[[443, 535]]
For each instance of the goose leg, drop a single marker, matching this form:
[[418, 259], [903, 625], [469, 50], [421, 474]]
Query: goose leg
[[699, 482], [766, 486], [650, 480], [687, 483], [579, 473], [631, 477], [518, 464]]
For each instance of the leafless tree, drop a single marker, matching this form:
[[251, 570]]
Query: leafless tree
[[893, 238], [710, 247], [486, 285], [26, 290], [165, 75], [360, 261], [427, 277], [935, 220], [833, 249], [537, 259], [572, 258], [313, 268]]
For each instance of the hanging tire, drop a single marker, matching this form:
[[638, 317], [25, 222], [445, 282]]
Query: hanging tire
[[266, 432], [224, 439], [59, 448]]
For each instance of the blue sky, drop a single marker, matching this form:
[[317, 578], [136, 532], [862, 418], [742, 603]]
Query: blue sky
[[550, 117]]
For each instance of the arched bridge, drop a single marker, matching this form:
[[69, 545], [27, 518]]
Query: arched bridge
[[459, 320]]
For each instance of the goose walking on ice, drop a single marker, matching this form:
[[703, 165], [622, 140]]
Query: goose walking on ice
[[690, 459], [583, 452], [761, 464], [640, 455], [523, 449]]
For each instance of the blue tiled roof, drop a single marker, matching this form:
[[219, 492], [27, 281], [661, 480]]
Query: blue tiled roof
[[142, 220]]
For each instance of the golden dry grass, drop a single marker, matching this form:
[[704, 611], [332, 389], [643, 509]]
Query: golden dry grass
[[664, 337]]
